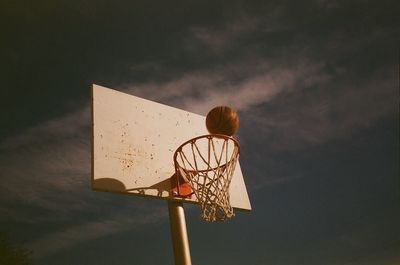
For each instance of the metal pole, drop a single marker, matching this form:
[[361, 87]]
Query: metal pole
[[179, 235]]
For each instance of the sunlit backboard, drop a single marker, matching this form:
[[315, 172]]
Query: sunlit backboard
[[133, 143]]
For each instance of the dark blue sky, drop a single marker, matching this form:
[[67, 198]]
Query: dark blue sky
[[316, 85]]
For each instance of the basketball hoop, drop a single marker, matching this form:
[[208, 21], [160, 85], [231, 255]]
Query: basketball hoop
[[207, 164]]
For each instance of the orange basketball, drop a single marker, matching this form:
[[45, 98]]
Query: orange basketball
[[222, 120]]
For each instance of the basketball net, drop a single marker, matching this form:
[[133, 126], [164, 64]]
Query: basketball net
[[207, 164]]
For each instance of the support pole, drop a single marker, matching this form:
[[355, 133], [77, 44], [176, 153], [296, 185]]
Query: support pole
[[178, 233]]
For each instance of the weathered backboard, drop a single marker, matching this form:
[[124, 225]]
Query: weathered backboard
[[133, 144]]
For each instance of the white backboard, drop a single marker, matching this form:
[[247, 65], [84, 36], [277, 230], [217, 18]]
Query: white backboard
[[133, 143]]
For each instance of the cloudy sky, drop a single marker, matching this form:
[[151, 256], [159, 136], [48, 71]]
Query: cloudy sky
[[316, 85]]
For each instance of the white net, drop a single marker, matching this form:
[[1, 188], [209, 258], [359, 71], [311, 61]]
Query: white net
[[207, 163]]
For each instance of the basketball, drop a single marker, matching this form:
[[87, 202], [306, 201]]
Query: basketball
[[222, 120]]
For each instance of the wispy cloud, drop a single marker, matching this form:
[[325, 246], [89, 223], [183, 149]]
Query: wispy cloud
[[217, 40], [300, 104], [316, 115], [234, 35], [68, 126], [50, 159], [241, 85], [93, 230]]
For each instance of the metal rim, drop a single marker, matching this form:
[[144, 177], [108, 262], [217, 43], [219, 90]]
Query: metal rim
[[209, 136]]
